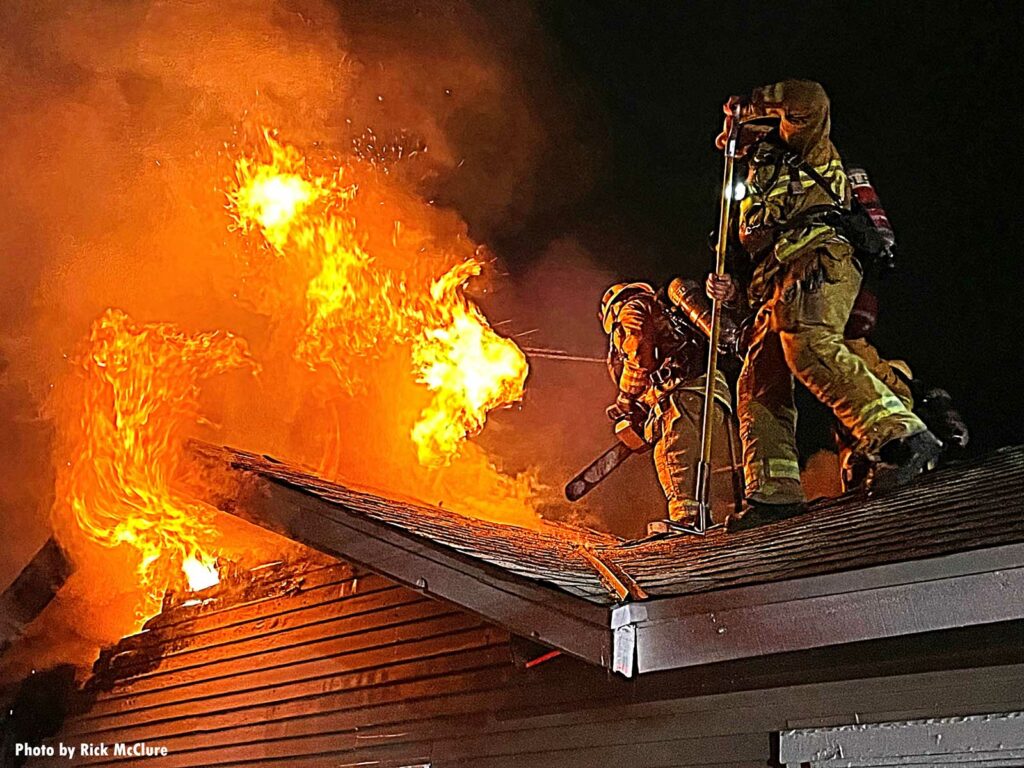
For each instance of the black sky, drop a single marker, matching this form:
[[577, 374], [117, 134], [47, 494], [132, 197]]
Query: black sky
[[925, 96]]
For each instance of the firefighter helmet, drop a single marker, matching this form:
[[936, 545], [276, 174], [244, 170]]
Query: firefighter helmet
[[615, 296]]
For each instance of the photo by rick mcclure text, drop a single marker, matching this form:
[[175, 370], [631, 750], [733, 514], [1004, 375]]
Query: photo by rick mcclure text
[[83, 750]]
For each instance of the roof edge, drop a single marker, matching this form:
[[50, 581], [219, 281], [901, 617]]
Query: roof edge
[[523, 607], [958, 590]]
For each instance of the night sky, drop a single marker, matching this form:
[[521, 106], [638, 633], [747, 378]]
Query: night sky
[[925, 96]]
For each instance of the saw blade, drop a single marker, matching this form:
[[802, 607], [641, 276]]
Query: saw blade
[[597, 471]]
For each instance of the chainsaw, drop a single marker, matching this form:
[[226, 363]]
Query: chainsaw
[[629, 434]]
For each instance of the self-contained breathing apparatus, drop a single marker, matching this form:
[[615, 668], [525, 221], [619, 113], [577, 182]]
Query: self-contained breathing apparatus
[[864, 225]]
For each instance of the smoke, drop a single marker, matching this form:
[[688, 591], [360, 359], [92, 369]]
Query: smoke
[[562, 422], [121, 123]]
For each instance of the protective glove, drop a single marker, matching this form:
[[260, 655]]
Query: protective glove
[[721, 287], [625, 405], [729, 107]]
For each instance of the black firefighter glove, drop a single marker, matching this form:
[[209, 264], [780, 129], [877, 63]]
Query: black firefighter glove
[[626, 406], [630, 417]]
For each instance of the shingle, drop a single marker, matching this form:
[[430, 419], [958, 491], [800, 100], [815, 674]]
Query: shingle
[[973, 505], [549, 554]]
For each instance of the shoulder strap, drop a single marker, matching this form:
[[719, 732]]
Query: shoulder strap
[[798, 164]]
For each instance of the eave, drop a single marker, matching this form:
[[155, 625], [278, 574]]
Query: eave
[[604, 603]]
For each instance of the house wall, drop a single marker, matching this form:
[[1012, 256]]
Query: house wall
[[339, 668]]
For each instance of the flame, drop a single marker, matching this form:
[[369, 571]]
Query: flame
[[138, 386], [351, 306], [272, 195], [200, 575], [355, 308], [469, 368]]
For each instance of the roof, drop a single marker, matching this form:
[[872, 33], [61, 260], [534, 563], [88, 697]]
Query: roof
[[945, 552]]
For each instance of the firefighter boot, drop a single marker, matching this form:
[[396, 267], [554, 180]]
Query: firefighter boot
[[758, 513], [904, 459]]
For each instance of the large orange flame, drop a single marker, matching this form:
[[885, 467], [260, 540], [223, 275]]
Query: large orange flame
[[469, 368], [137, 393], [302, 217], [356, 308], [272, 196], [138, 383]]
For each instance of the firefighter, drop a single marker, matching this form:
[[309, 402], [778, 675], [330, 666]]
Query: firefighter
[[802, 285], [855, 465], [657, 366]]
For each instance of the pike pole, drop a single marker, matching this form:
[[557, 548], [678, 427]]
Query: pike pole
[[703, 490], [543, 353]]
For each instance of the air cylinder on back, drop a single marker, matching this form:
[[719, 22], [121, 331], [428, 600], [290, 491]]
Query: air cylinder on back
[[689, 297], [867, 196]]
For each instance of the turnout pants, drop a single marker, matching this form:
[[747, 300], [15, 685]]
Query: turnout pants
[[677, 452], [853, 464], [798, 332]]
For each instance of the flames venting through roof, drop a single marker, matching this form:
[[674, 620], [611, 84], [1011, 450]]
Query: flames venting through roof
[[127, 418], [136, 389], [355, 307], [264, 233]]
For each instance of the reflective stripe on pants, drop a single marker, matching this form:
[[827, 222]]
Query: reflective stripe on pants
[[799, 331], [678, 450]]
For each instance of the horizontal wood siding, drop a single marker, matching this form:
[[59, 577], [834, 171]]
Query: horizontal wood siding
[[338, 668], [301, 666]]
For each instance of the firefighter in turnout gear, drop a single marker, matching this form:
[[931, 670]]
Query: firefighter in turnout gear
[[895, 374], [657, 366], [802, 283]]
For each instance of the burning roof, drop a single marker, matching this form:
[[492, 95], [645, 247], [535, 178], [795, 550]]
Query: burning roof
[[922, 551], [367, 299], [269, 233]]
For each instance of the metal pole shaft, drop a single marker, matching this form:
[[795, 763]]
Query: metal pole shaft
[[561, 354], [707, 422]]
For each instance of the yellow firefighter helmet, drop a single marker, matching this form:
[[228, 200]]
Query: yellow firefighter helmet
[[615, 296]]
